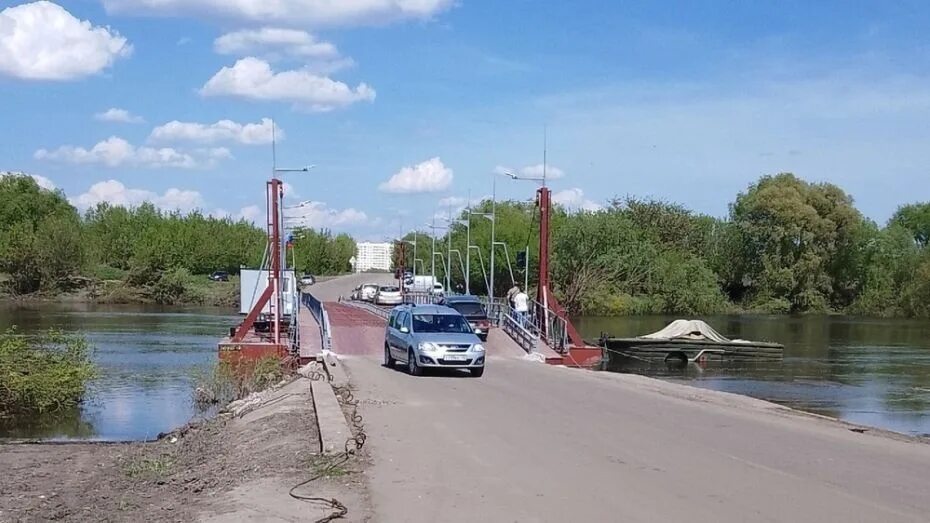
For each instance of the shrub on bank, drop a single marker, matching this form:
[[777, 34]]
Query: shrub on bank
[[43, 373], [227, 382]]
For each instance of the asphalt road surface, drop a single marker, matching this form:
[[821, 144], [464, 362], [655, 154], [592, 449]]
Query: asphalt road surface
[[530, 442]]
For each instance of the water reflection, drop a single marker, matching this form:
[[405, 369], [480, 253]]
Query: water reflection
[[870, 371], [149, 357]]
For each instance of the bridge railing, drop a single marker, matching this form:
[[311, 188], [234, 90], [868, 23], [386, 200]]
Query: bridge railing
[[322, 318], [381, 312], [525, 338]]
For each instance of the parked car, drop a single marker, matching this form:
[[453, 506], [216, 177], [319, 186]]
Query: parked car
[[356, 293], [219, 276], [473, 310], [432, 336], [368, 292], [306, 280], [438, 291], [389, 295]]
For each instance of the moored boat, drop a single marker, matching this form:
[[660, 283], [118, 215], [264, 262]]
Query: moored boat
[[685, 341]]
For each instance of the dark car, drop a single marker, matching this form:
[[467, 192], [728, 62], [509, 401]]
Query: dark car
[[219, 276], [473, 310]]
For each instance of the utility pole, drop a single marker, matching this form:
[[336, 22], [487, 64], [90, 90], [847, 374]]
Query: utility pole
[[468, 248], [493, 225], [449, 254]]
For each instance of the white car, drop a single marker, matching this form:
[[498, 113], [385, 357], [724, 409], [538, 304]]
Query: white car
[[368, 292], [389, 295]]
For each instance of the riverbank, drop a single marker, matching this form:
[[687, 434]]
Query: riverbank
[[190, 290], [237, 466]]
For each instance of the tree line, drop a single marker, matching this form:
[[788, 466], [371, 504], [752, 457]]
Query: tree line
[[787, 246], [47, 245]]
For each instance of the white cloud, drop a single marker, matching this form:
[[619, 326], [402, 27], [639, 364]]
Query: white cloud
[[222, 131], [314, 214], [536, 171], [42, 181], [532, 171], [302, 12], [118, 115], [273, 40], [115, 193], [253, 78], [289, 190], [117, 152], [43, 41], [574, 199], [428, 176]]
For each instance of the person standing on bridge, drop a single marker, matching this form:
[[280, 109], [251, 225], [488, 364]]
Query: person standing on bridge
[[510, 294], [521, 305]]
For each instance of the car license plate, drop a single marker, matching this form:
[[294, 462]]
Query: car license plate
[[455, 357]]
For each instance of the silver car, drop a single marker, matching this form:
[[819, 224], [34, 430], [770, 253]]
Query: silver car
[[434, 336]]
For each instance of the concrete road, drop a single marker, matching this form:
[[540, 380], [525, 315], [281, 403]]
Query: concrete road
[[332, 288], [530, 442]]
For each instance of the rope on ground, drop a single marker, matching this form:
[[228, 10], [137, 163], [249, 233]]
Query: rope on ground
[[353, 446]]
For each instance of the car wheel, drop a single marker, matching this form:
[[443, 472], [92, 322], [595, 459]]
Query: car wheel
[[477, 372], [389, 360], [412, 366]]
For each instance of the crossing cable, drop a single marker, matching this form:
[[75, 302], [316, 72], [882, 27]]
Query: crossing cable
[[353, 446]]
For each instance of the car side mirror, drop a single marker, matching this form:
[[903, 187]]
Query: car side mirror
[[405, 330]]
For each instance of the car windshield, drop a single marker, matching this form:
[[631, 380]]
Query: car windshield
[[449, 323], [468, 308], [390, 289]]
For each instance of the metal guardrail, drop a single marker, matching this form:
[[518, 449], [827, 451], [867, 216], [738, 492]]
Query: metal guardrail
[[524, 338], [370, 307], [322, 318]]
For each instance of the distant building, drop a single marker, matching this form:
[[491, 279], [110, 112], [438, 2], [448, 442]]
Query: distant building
[[374, 256]]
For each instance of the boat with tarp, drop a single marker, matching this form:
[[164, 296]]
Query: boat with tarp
[[684, 341]]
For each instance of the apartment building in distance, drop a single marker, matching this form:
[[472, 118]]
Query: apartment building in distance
[[373, 256]]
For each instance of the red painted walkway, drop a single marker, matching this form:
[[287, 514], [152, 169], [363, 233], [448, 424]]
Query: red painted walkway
[[355, 331]]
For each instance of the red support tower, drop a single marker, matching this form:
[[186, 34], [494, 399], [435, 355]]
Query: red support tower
[[241, 343], [578, 353]]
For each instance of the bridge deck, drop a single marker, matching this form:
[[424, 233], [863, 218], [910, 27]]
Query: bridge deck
[[311, 342]]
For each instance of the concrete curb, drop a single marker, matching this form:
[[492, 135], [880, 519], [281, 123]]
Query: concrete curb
[[334, 430]]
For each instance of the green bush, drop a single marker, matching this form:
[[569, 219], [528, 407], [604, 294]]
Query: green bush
[[43, 373], [228, 382]]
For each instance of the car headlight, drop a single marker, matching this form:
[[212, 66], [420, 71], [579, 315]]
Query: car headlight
[[427, 346], [478, 348]]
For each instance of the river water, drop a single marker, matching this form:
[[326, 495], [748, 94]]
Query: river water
[[149, 358], [867, 371], [873, 372]]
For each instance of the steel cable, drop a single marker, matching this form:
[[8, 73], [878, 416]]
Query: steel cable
[[353, 446]]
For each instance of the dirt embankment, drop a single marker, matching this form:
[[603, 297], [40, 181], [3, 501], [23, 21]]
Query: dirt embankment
[[232, 468]]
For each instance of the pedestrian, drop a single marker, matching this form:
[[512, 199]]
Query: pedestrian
[[510, 294], [521, 305]]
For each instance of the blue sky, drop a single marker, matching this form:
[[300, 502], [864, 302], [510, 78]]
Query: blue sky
[[403, 104]]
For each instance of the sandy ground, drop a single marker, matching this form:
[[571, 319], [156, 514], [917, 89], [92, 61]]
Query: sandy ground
[[228, 469]]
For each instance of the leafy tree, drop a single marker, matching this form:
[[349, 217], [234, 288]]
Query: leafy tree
[[915, 218], [794, 235]]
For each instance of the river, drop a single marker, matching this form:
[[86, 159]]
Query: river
[[873, 372], [149, 358], [868, 371]]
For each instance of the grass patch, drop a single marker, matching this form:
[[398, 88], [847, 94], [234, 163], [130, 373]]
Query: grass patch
[[227, 382], [43, 373], [149, 468]]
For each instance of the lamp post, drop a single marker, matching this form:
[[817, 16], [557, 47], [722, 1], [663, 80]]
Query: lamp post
[[433, 227]]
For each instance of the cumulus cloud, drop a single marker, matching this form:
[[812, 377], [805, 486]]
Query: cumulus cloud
[[574, 199], [222, 131], [43, 41], [536, 171], [118, 115], [117, 152], [533, 171], [42, 181], [274, 40], [313, 214], [301, 12], [250, 213], [428, 176], [116, 193], [253, 78]]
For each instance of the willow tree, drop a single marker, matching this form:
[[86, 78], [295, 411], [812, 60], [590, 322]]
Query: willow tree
[[797, 242]]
